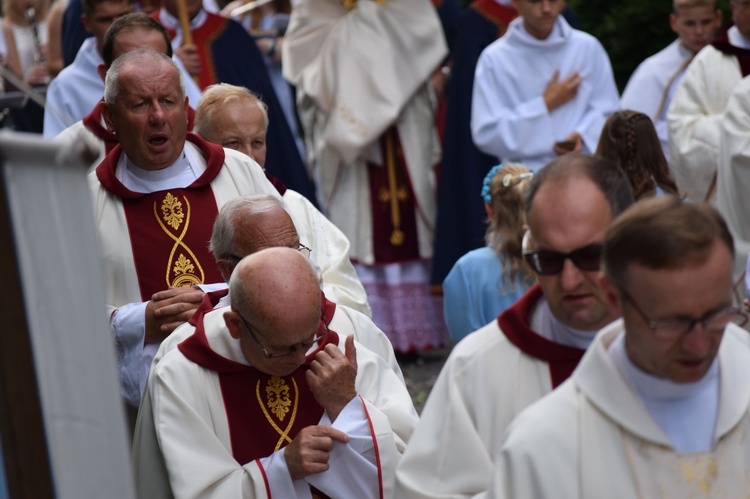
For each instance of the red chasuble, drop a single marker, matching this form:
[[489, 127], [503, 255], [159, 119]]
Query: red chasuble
[[170, 230], [264, 412], [393, 204], [93, 122], [514, 323]]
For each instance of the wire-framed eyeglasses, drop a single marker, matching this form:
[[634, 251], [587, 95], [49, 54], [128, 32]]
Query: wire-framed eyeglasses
[[306, 251], [670, 329], [313, 342]]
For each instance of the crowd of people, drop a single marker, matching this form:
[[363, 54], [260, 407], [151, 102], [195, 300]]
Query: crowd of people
[[276, 189]]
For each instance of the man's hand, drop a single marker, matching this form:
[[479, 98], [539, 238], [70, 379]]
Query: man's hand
[[331, 377], [168, 309], [572, 143], [559, 92], [38, 75], [190, 58], [309, 451]]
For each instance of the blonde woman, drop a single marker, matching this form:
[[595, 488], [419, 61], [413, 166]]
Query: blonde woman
[[486, 281]]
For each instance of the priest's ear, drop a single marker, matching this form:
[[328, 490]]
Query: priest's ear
[[234, 323], [107, 115], [101, 69], [611, 294]]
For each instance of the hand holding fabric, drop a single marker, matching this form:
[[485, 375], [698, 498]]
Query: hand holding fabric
[[309, 451], [331, 377]]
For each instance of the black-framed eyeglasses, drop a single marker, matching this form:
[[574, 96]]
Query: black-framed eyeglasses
[[670, 329], [548, 262], [305, 346], [300, 247]]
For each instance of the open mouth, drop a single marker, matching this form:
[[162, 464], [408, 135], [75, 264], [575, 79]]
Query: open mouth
[[158, 140]]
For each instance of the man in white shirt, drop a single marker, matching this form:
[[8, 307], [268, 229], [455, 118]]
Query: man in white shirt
[[658, 406], [653, 83], [541, 90], [699, 103]]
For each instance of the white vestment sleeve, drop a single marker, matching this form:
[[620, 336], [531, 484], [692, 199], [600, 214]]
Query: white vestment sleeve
[[56, 117], [128, 328], [353, 468], [279, 480], [603, 101]]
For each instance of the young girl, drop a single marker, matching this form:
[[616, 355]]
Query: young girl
[[629, 139], [486, 281]]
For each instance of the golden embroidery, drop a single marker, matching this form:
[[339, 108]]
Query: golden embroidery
[[183, 265], [283, 434], [396, 192], [171, 208], [701, 473], [278, 397], [350, 4], [186, 270]]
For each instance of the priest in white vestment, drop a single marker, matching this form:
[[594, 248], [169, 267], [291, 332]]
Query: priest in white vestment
[[532, 347], [660, 404], [696, 111], [268, 408], [542, 89], [653, 83], [155, 198], [361, 69]]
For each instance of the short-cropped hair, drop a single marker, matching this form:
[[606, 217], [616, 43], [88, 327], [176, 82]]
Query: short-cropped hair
[[662, 233], [607, 176], [129, 22], [221, 94], [112, 84]]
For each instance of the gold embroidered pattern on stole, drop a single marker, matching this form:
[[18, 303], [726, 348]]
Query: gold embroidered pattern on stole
[[180, 271], [277, 394], [350, 4], [701, 474]]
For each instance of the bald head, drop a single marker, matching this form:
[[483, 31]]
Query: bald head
[[276, 289]]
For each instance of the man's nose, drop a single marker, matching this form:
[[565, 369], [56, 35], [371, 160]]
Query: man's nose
[[570, 276]]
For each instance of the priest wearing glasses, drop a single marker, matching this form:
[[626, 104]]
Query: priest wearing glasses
[[658, 406], [266, 399]]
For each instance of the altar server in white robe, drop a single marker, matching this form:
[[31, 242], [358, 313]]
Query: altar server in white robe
[[542, 89], [660, 404], [653, 83], [699, 103], [532, 347], [273, 402]]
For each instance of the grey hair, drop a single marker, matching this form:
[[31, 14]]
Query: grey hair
[[134, 57], [222, 236]]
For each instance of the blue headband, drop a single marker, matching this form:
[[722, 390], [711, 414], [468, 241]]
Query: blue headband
[[487, 182]]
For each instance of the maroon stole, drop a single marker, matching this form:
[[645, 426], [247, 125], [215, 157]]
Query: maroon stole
[[93, 121], [500, 15], [264, 412], [169, 230], [278, 184], [514, 323], [743, 55], [393, 204], [203, 37]]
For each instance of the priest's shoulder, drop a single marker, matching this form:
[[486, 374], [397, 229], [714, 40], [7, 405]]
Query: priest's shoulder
[[487, 342], [550, 422]]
